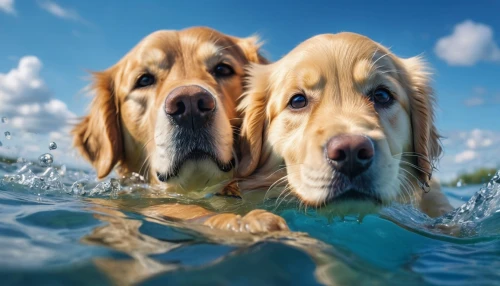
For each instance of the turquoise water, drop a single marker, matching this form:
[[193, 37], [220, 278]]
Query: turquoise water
[[54, 231]]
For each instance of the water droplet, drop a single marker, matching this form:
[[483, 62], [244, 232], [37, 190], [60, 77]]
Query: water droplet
[[37, 183], [496, 179], [115, 184], [12, 178], [115, 188], [5, 120], [459, 183], [46, 160], [78, 187], [52, 146], [7, 135]]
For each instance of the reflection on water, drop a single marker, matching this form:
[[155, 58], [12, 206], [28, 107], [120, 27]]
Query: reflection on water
[[60, 225], [324, 263]]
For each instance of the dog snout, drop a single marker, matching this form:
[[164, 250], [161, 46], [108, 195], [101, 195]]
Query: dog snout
[[350, 154], [190, 106]]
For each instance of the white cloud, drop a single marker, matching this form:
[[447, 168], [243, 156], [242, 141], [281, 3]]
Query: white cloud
[[481, 97], [28, 103], [470, 43], [474, 101], [465, 151], [7, 6], [465, 156], [58, 11], [480, 138]]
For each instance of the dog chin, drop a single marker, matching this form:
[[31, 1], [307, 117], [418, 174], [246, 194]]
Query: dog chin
[[348, 202], [197, 175]]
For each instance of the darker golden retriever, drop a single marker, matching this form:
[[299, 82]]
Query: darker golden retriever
[[167, 110]]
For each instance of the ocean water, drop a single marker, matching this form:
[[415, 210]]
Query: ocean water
[[60, 227]]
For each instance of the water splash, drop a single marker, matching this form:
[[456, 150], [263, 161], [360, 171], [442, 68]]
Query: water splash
[[48, 180], [44, 178], [62, 170], [52, 146], [7, 135], [479, 217], [5, 120], [78, 187], [480, 211], [111, 187], [46, 160]]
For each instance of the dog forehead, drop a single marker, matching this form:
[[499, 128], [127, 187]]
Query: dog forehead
[[336, 57], [161, 40], [188, 40], [201, 38], [334, 50], [155, 48]]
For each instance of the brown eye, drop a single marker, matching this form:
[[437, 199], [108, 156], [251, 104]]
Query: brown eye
[[298, 101], [223, 70], [145, 80], [381, 96]]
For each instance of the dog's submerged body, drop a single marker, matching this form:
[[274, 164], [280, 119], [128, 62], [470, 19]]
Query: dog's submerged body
[[350, 120], [167, 111]]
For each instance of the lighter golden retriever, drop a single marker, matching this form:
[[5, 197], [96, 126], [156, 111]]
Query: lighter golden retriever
[[167, 110], [352, 122]]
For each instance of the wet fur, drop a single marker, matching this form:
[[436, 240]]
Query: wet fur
[[128, 128], [336, 71]]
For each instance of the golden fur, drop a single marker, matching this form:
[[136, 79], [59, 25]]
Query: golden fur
[[336, 72], [127, 125], [122, 121]]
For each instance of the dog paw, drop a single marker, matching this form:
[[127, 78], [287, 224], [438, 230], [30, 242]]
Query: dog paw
[[256, 221]]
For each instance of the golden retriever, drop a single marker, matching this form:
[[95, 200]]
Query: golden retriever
[[352, 122], [167, 110]]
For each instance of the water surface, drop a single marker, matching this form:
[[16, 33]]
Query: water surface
[[59, 226]]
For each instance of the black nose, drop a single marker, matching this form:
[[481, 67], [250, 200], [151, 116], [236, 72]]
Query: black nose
[[350, 154], [190, 106]]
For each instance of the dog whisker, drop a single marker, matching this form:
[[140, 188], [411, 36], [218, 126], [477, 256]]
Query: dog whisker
[[413, 154], [415, 167]]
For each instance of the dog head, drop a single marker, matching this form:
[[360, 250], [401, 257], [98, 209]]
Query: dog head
[[167, 109], [352, 121]]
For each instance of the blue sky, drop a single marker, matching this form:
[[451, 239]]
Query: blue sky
[[68, 38]]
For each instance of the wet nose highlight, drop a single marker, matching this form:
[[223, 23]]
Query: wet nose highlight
[[350, 154], [190, 106]]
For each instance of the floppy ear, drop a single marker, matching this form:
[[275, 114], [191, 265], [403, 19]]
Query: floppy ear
[[98, 136], [426, 139], [251, 48], [253, 106]]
